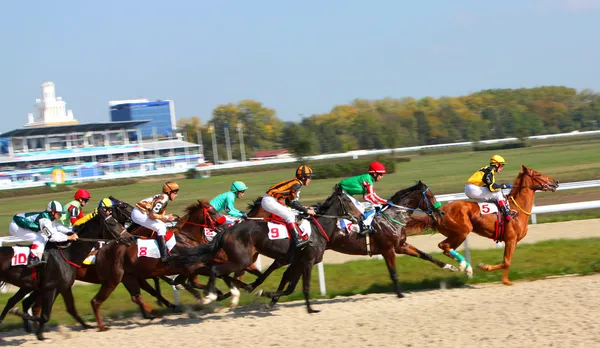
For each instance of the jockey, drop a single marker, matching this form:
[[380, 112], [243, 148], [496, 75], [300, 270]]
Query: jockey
[[482, 186], [225, 201], [289, 191], [74, 209], [364, 184], [150, 213], [105, 204], [39, 228]]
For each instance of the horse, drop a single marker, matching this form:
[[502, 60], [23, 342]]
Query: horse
[[119, 263], [121, 211], [388, 238], [58, 275], [462, 217], [244, 241]]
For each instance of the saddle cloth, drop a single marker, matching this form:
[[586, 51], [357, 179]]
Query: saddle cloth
[[279, 230]]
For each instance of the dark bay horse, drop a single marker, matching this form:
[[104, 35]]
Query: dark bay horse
[[243, 242], [388, 238], [58, 275], [462, 217], [118, 262]]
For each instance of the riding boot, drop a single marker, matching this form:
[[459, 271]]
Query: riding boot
[[34, 261], [508, 214], [296, 233], [162, 248], [364, 229]]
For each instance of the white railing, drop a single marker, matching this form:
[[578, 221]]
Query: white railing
[[357, 153]]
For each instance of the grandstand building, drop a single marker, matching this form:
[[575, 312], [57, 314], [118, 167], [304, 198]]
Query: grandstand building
[[53, 148]]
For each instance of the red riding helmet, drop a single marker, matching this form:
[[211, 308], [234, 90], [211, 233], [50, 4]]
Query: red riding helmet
[[377, 168], [82, 194]]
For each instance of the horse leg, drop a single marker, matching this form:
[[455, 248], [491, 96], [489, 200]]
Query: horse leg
[[449, 246], [389, 256], [133, 287], [233, 291], [291, 276], [70, 304], [47, 302], [410, 250], [155, 292], [105, 290], [27, 303], [306, 274], [18, 296], [217, 271], [263, 276], [509, 249]]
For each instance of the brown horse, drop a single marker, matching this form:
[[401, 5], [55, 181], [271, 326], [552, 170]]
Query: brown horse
[[462, 217], [388, 238], [118, 262]]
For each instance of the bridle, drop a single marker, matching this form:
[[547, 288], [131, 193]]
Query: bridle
[[209, 222]]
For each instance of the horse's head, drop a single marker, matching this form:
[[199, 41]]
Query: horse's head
[[204, 215], [121, 210], [338, 204], [536, 180], [418, 196], [100, 226]]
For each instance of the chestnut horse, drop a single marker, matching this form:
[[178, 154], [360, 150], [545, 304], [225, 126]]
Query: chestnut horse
[[462, 217], [118, 262]]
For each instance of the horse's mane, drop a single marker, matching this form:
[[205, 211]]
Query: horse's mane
[[192, 208], [400, 194], [255, 204]]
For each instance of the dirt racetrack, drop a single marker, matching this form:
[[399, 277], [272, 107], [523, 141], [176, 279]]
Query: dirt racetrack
[[558, 312]]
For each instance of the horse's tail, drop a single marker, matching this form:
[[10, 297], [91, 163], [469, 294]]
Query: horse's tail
[[201, 253], [416, 224]]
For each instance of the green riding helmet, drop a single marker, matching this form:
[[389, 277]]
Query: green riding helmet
[[238, 186]]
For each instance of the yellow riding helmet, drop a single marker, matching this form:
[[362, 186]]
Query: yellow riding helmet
[[497, 159], [105, 203]]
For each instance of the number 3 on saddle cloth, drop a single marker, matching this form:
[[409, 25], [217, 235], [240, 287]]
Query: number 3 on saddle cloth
[[278, 229], [486, 208]]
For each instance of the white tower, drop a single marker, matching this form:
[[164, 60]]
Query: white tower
[[51, 109]]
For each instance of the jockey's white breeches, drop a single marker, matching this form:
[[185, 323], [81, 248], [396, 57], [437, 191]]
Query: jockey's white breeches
[[482, 193], [271, 205], [37, 240], [141, 218]]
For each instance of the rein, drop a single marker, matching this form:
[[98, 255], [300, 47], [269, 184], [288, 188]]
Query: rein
[[68, 261], [518, 206]]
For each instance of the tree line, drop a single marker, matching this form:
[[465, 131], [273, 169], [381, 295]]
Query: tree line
[[390, 123]]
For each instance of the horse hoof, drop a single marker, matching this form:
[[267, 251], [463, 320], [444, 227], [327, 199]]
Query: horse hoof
[[469, 272], [311, 311], [211, 297], [259, 293], [483, 266], [451, 268], [103, 329], [507, 282]]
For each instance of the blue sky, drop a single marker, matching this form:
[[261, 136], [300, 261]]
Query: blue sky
[[298, 57]]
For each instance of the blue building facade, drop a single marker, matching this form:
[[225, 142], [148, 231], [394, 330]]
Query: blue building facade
[[159, 113]]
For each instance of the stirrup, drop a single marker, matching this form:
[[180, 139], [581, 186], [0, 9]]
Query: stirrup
[[301, 244]]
